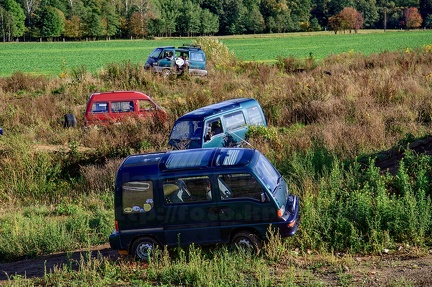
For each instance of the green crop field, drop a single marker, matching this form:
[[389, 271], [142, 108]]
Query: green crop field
[[54, 57]]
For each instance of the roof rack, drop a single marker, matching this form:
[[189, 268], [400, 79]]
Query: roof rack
[[191, 46]]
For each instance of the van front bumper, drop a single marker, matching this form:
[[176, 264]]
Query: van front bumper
[[291, 218]]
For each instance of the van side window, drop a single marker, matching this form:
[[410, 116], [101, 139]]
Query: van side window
[[234, 120], [100, 107], [213, 127], [197, 57], [255, 117], [145, 106], [187, 190], [122, 107], [137, 196], [241, 185]]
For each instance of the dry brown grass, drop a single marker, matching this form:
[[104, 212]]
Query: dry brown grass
[[350, 103]]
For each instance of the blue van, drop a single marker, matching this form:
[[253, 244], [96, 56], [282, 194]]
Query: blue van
[[169, 60], [200, 196], [219, 125]]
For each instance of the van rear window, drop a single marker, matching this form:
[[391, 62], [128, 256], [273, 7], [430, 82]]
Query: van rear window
[[137, 196], [196, 57], [255, 117]]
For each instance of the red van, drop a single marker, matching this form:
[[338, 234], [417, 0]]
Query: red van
[[108, 107]]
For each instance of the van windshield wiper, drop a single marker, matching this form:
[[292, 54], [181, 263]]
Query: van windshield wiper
[[277, 184]]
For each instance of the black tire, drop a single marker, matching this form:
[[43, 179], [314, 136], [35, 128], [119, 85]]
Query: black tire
[[70, 121], [247, 241], [144, 248], [166, 73]]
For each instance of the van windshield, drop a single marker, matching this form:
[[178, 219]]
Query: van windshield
[[191, 130], [272, 180], [155, 53]]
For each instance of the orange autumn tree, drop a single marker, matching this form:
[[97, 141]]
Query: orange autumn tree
[[353, 18], [413, 19]]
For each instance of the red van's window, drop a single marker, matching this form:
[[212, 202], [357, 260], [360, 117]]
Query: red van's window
[[146, 105], [122, 107], [100, 107]]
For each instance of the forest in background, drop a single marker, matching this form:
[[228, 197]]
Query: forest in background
[[37, 20]]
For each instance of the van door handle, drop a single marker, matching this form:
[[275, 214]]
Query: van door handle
[[223, 210], [212, 210]]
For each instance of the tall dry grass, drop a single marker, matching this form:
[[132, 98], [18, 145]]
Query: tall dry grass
[[351, 103]]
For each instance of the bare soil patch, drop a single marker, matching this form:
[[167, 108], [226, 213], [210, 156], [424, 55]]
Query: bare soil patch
[[385, 270], [35, 267]]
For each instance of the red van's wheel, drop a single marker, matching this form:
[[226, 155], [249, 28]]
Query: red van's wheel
[[144, 248], [247, 241]]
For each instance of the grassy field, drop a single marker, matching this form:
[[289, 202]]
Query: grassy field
[[330, 123], [55, 57]]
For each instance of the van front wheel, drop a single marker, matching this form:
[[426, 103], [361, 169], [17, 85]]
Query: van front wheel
[[247, 241], [144, 248]]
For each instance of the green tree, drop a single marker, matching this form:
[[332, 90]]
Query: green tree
[[255, 21], [72, 28], [188, 22], [232, 18], [320, 11], [169, 12], [6, 23], [94, 25], [110, 20], [52, 22], [300, 10], [277, 15], [16, 22], [369, 10], [428, 21], [425, 10], [30, 6], [209, 23]]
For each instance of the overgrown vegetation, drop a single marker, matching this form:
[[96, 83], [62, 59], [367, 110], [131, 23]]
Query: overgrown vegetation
[[326, 121]]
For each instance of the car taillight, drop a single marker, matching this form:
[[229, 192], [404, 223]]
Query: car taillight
[[116, 226]]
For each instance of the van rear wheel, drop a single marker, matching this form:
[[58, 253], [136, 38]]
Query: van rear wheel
[[247, 241], [144, 248]]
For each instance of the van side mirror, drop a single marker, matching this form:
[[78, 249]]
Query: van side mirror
[[263, 197]]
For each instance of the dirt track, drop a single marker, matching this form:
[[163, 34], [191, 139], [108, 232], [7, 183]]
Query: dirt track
[[36, 267], [386, 270]]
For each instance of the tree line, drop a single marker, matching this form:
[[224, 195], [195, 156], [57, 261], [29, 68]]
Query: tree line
[[29, 20]]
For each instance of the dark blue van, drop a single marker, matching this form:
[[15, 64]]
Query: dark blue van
[[201, 196], [224, 124]]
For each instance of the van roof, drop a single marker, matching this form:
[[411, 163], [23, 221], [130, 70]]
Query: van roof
[[201, 113], [119, 95], [213, 158]]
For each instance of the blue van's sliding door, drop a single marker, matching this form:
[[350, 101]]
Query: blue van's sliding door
[[190, 215]]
